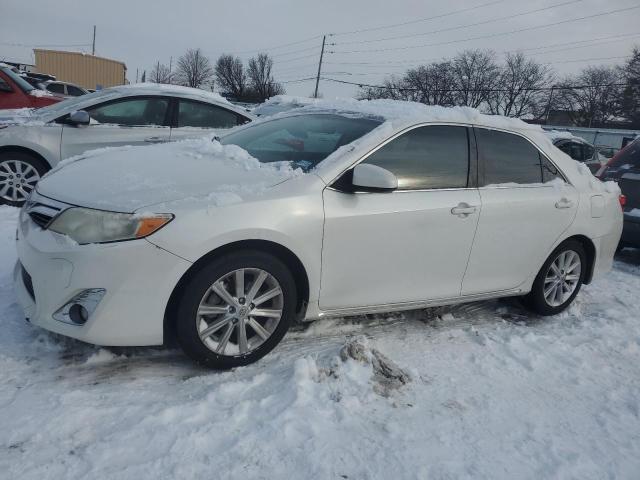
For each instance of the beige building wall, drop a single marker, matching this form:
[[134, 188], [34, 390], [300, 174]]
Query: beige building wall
[[88, 71]]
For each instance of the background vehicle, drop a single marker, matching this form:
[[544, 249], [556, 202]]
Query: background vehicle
[[140, 114], [423, 211], [624, 168], [16, 92], [577, 148], [64, 88]]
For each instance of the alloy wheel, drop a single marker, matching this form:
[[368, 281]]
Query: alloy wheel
[[17, 180], [239, 311], [562, 278]]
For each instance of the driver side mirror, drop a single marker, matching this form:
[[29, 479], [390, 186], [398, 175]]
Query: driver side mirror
[[371, 178], [79, 117]]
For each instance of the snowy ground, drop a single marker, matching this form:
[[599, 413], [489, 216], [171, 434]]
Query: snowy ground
[[495, 393]]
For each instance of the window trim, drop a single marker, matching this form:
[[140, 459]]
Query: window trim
[[176, 112], [481, 164], [165, 122], [472, 172]]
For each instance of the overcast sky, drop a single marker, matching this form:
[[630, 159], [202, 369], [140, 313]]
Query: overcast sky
[[142, 32]]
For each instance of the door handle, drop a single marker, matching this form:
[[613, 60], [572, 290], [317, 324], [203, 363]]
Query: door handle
[[154, 140], [463, 210], [564, 203]]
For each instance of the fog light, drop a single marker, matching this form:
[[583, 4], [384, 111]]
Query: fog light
[[78, 314], [78, 310]]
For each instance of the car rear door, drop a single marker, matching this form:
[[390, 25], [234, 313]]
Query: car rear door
[[408, 245], [193, 119], [139, 120], [523, 213]]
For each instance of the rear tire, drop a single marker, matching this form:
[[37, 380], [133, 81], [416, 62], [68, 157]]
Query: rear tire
[[19, 173], [558, 282], [215, 300]]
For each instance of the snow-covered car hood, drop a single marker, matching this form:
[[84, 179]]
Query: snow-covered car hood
[[126, 179], [19, 116]]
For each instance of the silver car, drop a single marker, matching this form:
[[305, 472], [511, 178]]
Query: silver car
[[34, 141]]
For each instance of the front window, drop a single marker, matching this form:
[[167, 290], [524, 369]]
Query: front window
[[304, 140], [131, 112], [73, 103], [18, 80]]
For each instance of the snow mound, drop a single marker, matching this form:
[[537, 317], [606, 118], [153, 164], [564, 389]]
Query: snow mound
[[172, 89]]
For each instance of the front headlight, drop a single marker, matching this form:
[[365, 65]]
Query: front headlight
[[85, 225]]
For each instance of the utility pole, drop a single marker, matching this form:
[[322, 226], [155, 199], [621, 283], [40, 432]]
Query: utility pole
[[324, 38], [170, 74], [93, 46], [546, 117]]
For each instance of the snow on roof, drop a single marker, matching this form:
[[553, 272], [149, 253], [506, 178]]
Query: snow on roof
[[172, 89], [401, 112]]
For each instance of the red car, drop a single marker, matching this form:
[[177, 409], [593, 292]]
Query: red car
[[16, 92]]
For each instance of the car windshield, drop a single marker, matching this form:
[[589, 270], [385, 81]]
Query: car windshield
[[18, 80], [70, 103], [305, 140]]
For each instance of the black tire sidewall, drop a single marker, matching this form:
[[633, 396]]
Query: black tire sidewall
[[40, 166], [535, 299], [195, 288]]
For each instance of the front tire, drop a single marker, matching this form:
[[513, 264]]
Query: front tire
[[559, 279], [19, 173], [236, 309]]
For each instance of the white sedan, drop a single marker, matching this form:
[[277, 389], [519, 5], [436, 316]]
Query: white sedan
[[341, 210], [34, 141]]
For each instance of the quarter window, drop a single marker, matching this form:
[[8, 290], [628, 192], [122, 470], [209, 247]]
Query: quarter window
[[427, 158], [131, 112], [508, 158], [202, 115]]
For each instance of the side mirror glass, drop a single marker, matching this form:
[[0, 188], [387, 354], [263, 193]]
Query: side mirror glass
[[79, 117], [372, 178]]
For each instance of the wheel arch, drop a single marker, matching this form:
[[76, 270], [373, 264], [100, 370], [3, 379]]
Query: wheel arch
[[26, 150], [281, 252], [590, 251]]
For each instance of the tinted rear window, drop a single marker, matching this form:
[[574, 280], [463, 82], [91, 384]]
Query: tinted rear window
[[508, 158]]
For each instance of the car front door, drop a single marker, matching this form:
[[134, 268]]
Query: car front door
[[523, 212], [195, 119], [126, 121], [411, 244]]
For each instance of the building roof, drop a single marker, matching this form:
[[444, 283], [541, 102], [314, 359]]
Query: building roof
[[80, 54]]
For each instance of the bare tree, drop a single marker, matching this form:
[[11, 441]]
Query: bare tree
[[431, 84], [392, 88], [475, 74], [630, 101], [260, 78], [231, 76], [519, 87], [194, 69], [160, 74], [597, 101]]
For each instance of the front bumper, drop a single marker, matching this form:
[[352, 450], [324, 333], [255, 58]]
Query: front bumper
[[138, 278]]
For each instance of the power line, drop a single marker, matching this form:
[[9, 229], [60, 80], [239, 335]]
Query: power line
[[299, 80], [315, 47], [297, 58], [44, 46], [298, 42], [448, 29], [539, 89], [424, 19], [491, 35], [423, 61]]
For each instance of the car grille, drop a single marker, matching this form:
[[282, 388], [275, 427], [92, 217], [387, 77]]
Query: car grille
[[41, 219], [28, 283]]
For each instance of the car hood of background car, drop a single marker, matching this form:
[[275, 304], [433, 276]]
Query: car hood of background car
[[126, 179]]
